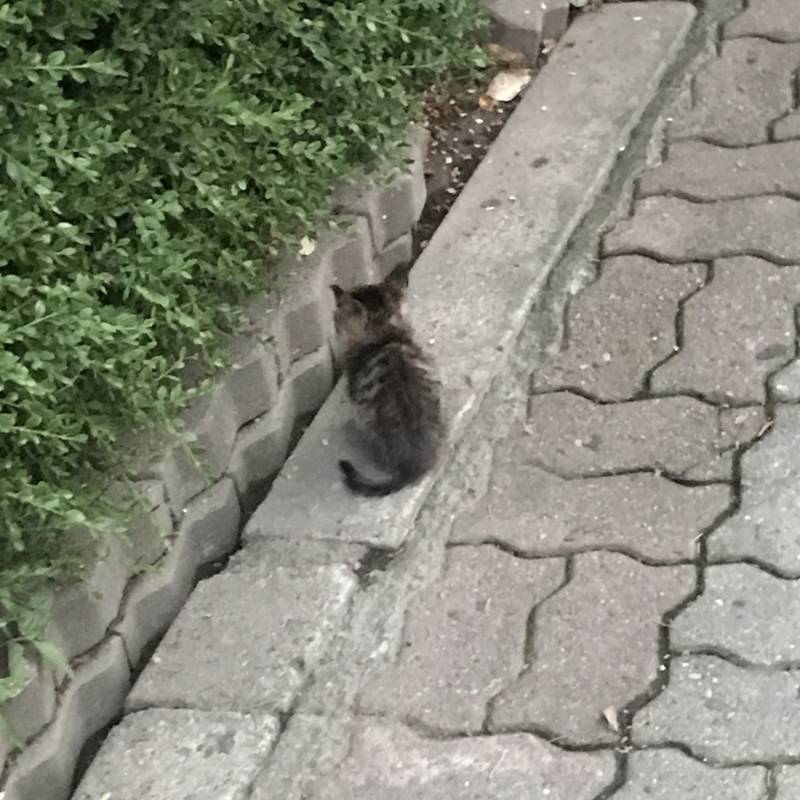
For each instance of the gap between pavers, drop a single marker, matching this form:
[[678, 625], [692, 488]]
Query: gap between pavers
[[473, 286]]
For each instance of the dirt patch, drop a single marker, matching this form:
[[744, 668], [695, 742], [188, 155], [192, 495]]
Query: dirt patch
[[460, 134]]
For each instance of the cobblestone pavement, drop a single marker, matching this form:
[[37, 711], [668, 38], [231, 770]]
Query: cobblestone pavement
[[602, 598]]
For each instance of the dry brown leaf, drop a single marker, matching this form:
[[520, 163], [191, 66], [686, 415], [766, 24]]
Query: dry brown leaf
[[611, 718], [508, 84], [307, 246], [486, 103]]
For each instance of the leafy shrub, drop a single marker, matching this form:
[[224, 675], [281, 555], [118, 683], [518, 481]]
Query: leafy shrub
[[153, 157]]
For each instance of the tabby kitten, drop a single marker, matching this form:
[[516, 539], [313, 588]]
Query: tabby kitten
[[391, 384]]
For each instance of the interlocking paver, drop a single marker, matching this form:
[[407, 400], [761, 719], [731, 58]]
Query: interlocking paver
[[247, 639], [671, 775], [787, 127], [393, 763], [541, 514], [785, 385], [673, 229], [613, 343], [463, 640], [736, 332], [787, 782], [596, 644], [175, 754], [575, 437], [741, 424], [766, 524], [739, 93], [703, 171], [725, 712], [772, 19], [745, 611]]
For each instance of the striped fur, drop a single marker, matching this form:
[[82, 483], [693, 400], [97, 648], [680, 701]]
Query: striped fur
[[391, 384]]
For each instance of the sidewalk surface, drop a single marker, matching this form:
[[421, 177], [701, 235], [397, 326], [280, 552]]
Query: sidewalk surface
[[602, 594]]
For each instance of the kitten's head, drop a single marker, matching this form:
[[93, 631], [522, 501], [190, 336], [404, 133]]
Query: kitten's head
[[365, 312]]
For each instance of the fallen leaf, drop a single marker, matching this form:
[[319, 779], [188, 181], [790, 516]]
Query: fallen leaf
[[507, 56], [508, 84], [611, 719], [307, 246], [486, 103]]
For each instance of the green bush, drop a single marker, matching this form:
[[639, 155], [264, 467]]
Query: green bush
[[153, 157]]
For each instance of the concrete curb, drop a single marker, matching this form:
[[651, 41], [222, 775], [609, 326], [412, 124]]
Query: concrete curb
[[470, 293]]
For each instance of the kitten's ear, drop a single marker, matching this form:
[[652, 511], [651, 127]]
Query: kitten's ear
[[338, 293], [397, 281]]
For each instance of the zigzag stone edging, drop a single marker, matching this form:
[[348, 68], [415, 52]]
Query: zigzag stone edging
[[190, 505]]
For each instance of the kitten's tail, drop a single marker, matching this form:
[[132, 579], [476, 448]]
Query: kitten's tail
[[360, 484]]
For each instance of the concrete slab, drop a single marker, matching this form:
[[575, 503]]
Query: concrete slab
[[246, 640], [463, 639], [393, 763], [583, 109], [175, 754]]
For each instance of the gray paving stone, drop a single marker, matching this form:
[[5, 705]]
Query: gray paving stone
[[153, 599], [788, 127], [298, 554], [765, 526], [736, 332], [260, 451], [787, 781], [575, 437], [724, 712], [399, 252], [463, 640], [613, 343], [739, 93], [468, 317], [246, 640], [44, 770], [671, 775], [740, 425], [393, 763], [785, 385], [770, 19], [83, 611], [175, 754], [703, 171], [540, 514], [596, 645], [311, 380], [30, 710], [211, 522], [677, 230], [745, 611], [212, 420], [252, 380], [518, 25], [351, 254]]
